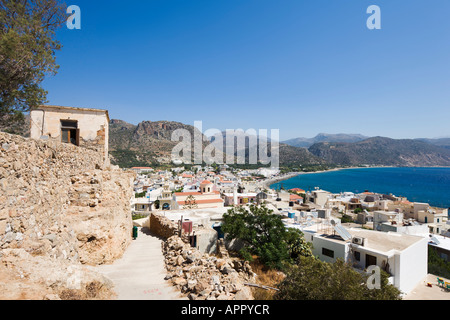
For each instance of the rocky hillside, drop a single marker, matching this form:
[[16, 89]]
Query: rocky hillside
[[61, 209], [440, 142], [150, 143], [145, 144], [289, 155], [383, 151]]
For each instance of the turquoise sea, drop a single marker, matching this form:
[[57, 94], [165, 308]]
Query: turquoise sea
[[430, 185]]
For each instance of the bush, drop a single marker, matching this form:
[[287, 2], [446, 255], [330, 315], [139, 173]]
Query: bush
[[264, 235], [140, 195], [139, 216], [346, 219], [312, 279], [437, 265]]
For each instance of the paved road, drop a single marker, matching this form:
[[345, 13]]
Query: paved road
[[139, 274]]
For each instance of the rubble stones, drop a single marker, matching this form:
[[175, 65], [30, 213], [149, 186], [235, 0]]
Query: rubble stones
[[205, 277]]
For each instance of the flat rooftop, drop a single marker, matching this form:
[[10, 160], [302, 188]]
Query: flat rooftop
[[70, 108], [444, 242], [375, 240], [386, 241], [195, 215]]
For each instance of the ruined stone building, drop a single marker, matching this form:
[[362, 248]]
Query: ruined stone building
[[88, 128]]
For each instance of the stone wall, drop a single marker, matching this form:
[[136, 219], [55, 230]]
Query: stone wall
[[61, 208], [161, 226]]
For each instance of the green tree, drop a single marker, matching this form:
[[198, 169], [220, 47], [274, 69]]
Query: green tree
[[312, 279], [263, 234], [437, 265], [346, 219], [297, 245], [140, 195], [27, 54]]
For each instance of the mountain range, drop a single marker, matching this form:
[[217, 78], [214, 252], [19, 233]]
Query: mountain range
[[150, 143], [382, 151], [325, 137], [441, 142], [351, 138]]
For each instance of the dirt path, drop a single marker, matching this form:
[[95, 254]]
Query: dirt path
[[139, 274]]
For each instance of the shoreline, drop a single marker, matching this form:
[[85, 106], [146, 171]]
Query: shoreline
[[274, 180], [268, 182]]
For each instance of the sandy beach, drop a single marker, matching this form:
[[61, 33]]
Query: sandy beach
[[268, 182]]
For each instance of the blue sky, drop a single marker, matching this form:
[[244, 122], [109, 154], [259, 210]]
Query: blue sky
[[301, 66]]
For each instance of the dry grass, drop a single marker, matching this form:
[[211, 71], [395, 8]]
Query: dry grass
[[92, 291], [266, 277]]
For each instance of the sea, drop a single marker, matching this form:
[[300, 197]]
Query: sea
[[429, 185]]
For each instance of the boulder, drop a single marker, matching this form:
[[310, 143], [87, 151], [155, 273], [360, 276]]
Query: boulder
[[244, 294]]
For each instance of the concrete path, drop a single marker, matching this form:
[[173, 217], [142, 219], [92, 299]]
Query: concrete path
[[139, 274]]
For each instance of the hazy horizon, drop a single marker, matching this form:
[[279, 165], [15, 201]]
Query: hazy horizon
[[296, 137]]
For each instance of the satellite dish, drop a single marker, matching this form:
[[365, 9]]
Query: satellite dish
[[333, 223]]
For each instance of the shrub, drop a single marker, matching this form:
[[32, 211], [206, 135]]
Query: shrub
[[312, 279], [264, 234]]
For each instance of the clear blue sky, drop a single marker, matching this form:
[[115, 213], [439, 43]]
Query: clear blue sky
[[301, 66]]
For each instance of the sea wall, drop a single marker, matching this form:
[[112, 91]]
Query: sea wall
[[61, 209]]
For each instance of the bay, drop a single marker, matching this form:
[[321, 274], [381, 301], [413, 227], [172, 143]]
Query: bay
[[430, 185]]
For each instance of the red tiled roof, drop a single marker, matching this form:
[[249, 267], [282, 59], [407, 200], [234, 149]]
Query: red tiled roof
[[195, 193], [295, 197], [297, 190]]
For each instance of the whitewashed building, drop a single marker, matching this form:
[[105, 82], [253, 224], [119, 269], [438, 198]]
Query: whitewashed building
[[404, 257]]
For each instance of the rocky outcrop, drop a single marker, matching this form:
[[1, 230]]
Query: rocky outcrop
[[146, 143], [60, 208], [206, 277]]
